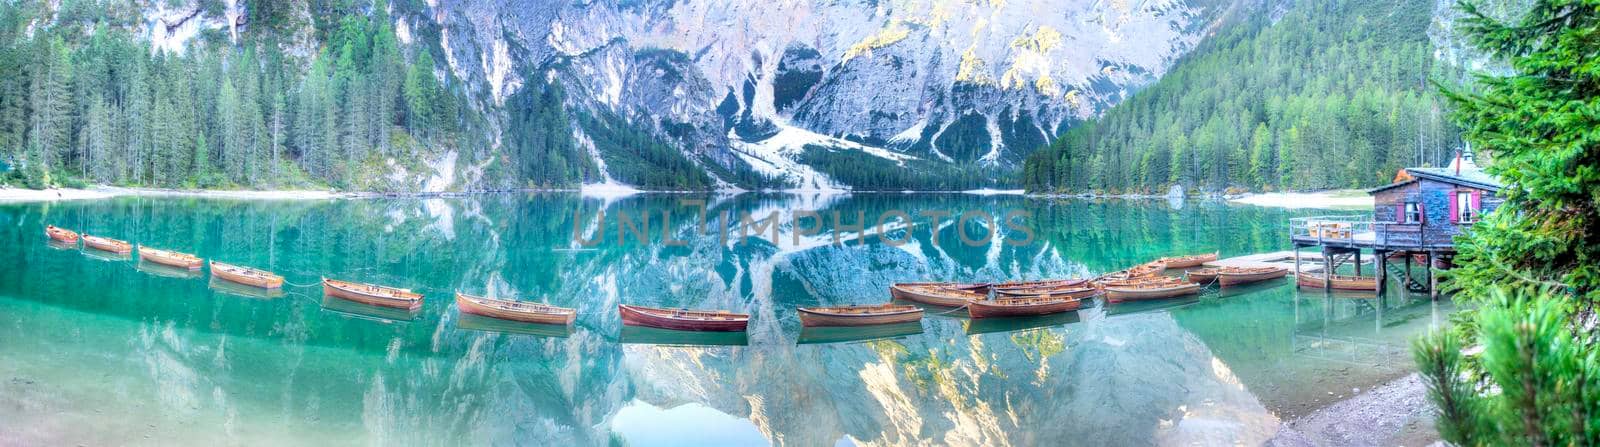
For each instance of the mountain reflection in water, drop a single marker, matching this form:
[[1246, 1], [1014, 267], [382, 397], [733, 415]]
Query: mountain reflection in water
[[184, 361]]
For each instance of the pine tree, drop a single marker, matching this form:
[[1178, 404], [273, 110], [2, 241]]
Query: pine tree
[[1528, 266]]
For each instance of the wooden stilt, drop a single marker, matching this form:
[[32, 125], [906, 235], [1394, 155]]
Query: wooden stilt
[[1358, 262], [1327, 270], [1383, 270], [1297, 260], [1433, 279]]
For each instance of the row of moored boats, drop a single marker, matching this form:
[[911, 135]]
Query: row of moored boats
[[1148, 281]]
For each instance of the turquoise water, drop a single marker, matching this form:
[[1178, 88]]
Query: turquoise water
[[105, 351]]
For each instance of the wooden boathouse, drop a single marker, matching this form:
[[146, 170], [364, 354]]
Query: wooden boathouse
[[1417, 216]]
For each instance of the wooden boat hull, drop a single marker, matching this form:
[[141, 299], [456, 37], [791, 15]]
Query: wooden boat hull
[[1046, 284], [1022, 307], [966, 286], [1183, 262], [1202, 276], [661, 319], [61, 234], [930, 296], [834, 316], [345, 292], [1232, 279], [1078, 291], [222, 271], [1120, 294], [107, 245], [473, 305], [1340, 282], [170, 259]]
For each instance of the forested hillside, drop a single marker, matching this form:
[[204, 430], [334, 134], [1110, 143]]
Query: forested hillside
[[1320, 95], [84, 99]]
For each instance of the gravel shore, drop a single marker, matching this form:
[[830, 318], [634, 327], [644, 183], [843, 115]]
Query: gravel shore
[[1396, 413]]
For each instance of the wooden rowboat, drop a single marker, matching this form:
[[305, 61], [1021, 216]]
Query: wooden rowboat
[[1233, 277], [514, 310], [107, 244], [370, 294], [1339, 282], [1149, 280], [934, 295], [1146, 270], [1202, 276], [172, 258], [60, 234], [1048, 283], [1151, 291], [683, 319], [1023, 306], [859, 315], [965, 286], [1080, 291], [1183, 262], [245, 275]]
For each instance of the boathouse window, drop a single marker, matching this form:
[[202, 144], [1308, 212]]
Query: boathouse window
[[1465, 207], [1413, 213]]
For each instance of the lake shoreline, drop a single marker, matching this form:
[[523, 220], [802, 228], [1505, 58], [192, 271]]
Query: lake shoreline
[[1396, 412]]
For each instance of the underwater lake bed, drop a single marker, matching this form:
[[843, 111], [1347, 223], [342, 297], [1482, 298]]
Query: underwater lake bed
[[141, 355]]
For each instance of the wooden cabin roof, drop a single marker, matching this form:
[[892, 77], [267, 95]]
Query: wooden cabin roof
[[1472, 178], [1475, 178]]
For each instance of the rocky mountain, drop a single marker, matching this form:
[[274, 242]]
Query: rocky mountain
[[758, 85]]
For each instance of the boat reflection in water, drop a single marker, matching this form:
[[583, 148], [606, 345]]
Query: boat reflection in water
[[165, 271], [485, 324], [236, 289], [1138, 306], [1013, 324], [639, 335], [59, 245], [1248, 288], [367, 311], [108, 256], [853, 334]]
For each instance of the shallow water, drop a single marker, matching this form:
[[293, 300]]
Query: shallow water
[[98, 350]]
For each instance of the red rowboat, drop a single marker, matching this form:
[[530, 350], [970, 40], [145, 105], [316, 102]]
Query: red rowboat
[[859, 315], [514, 310], [245, 275], [371, 294], [682, 319], [1150, 291], [1339, 282], [934, 295], [60, 234], [1183, 262], [1023, 306], [171, 258], [1234, 277], [107, 244]]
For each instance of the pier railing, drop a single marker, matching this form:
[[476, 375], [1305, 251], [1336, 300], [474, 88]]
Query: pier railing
[[1320, 229]]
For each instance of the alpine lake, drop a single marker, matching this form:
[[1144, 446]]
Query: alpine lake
[[99, 350]]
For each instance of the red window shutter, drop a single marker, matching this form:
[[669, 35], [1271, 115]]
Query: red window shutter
[[1455, 212], [1477, 202], [1400, 213]]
